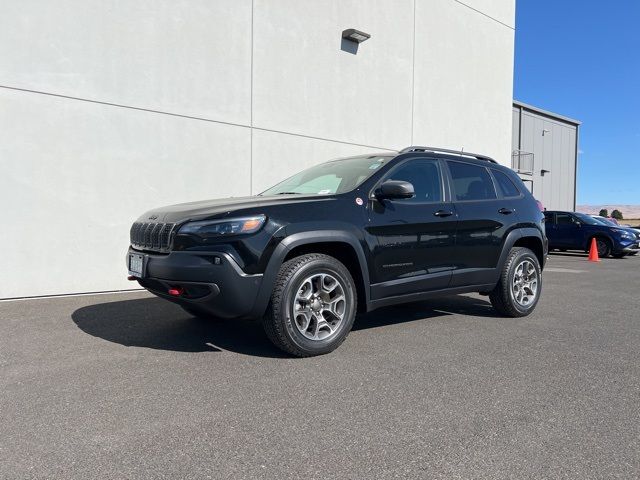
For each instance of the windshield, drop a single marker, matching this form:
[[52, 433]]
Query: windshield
[[587, 219], [337, 176]]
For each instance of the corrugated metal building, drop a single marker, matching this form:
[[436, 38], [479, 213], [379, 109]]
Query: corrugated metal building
[[545, 154]]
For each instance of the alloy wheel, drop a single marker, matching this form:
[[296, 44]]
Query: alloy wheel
[[319, 306], [524, 286], [602, 247]]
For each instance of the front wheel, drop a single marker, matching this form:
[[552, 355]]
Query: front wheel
[[313, 306], [604, 247], [518, 290]]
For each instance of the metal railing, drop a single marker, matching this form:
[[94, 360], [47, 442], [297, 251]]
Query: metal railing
[[522, 162]]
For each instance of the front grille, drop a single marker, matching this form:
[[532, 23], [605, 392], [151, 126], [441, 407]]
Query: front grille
[[152, 236]]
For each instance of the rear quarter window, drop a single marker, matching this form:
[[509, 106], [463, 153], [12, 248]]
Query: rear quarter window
[[506, 186]]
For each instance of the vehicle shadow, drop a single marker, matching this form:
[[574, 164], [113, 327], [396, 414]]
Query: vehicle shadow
[[410, 312], [157, 324]]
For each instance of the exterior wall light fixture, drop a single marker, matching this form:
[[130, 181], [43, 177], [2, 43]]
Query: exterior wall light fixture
[[355, 35]]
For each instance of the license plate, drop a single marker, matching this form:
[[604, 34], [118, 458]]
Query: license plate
[[136, 265]]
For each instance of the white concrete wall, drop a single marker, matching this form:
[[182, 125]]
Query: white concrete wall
[[464, 77], [109, 108]]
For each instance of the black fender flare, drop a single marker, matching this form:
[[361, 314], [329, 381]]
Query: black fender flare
[[304, 238], [512, 237]]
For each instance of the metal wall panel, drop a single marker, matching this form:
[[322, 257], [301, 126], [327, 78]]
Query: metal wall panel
[[553, 144], [515, 132]]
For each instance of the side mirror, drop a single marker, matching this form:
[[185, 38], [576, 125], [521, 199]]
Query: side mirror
[[394, 189]]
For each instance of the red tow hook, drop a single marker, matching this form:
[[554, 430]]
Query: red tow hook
[[176, 292]]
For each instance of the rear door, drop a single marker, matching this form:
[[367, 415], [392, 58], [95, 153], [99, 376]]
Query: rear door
[[551, 229], [415, 237], [484, 220]]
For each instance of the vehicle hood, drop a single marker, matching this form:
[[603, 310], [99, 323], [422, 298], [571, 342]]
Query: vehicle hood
[[608, 229], [223, 207], [599, 228]]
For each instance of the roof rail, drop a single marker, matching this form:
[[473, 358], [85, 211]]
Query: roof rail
[[417, 148]]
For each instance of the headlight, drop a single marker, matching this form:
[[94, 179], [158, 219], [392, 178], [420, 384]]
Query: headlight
[[223, 228], [623, 233]]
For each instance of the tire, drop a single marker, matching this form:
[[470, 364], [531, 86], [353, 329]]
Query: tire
[[323, 319], [505, 296], [618, 255], [603, 245]]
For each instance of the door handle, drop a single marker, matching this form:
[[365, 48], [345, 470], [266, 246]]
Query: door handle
[[506, 211], [443, 213]]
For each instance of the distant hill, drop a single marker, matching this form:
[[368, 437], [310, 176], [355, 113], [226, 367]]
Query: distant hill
[[628, 211]]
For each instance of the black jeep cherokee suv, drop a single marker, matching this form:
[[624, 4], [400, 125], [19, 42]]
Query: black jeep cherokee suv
[[345, 236]]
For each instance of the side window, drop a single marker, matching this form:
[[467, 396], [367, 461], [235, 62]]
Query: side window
[[564, 219], [424, 175], [548, 217], [505, 184], [471, 182]]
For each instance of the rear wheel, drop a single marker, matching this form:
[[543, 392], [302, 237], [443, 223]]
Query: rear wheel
[[312, 307], [518, 290]]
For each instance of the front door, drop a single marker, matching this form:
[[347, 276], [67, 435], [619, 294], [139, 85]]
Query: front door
[[416, 236]]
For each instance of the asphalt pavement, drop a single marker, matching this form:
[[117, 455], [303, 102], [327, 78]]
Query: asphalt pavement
[[129, 386]]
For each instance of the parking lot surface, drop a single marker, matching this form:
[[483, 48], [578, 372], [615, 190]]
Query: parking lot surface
[[129, 386]]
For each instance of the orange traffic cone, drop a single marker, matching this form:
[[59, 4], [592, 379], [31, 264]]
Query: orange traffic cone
[[593, 251]]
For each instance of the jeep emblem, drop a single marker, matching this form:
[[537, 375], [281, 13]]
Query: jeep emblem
[[153, 217]]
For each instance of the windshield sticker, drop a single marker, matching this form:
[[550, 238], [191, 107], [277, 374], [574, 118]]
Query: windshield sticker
[[324, 192], [374, 166]]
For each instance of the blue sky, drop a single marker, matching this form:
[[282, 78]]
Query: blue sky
[[581, 59]]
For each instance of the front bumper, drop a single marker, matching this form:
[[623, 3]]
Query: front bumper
[[626, 246], [208, 281]]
